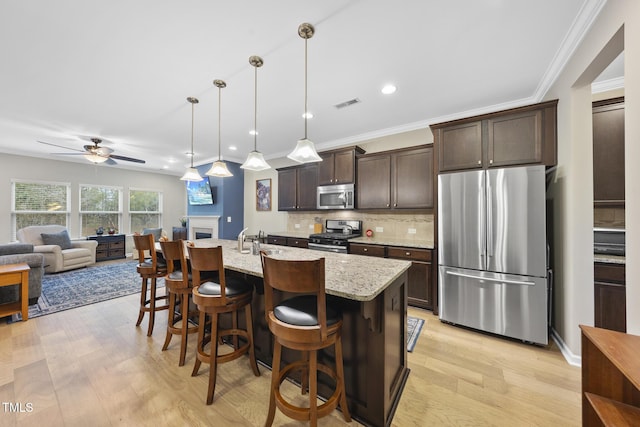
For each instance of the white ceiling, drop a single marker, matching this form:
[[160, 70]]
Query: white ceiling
[[121, 70]]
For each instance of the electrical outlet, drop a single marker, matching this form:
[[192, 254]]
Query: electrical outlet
[[411, 231], [379, 230], [228, 219], [310, 226], [296, 225]]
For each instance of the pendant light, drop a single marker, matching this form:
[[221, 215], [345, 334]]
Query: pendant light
[[255, 161], [305, 151], [219, 168], [192, 173]]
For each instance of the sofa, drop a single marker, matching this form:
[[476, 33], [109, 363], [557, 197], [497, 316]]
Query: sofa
[[18, 253], [60, 252]]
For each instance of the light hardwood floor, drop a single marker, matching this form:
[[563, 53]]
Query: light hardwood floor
[[92, 366]]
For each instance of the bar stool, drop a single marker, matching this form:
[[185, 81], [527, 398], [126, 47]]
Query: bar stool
[[226, 296], [149, 268], [179, 286], [304, 323]]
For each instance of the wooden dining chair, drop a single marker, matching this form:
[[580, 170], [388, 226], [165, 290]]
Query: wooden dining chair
[[213, 298], [150, 268], [179, 287], [305, 323]]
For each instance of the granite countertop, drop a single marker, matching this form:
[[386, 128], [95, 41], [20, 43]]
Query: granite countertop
[[610, 259], [390, 241], [355, 277]]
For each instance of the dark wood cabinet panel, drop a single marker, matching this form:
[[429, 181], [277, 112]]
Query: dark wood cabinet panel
[[460, 146], [287, 189], [413, 178], [420, 289], [374, 182], [399, 179], [338, 167], [277, 240], [297, 188], [515, 139], [110, 246], [608, 152], [298, 243], [610, 296], [524, 135]]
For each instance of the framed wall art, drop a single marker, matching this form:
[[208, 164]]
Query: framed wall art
[[263, 194]]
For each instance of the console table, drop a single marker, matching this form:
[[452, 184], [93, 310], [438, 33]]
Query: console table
[[110, 246], [16, 274], [610, 378]]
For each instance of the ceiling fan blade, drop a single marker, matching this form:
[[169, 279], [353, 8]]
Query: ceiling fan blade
[[70, 154], [61, 146], [111, 162], [128, 159]]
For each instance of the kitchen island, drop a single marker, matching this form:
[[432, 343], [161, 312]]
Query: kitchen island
[[372, 295]]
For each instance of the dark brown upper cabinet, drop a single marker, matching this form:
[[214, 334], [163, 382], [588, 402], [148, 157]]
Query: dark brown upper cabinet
[[525, 135], [297, 188], [339, 166], [398, 179], [608, 152]]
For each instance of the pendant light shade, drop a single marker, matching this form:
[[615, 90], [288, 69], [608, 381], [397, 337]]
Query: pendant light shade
[[192, 173], [95, 158], [255, 161], [219, 168], [305, 151]]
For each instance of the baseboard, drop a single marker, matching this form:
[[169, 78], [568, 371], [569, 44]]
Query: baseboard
[[571, 358]]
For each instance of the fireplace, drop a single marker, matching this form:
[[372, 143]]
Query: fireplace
[[201, 227]]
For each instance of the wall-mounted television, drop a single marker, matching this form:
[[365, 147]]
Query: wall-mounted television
[[199, 193]]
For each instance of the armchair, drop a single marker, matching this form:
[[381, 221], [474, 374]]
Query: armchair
[[17, 253], [60, 252]]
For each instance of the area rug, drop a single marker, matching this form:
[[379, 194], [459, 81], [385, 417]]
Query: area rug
[[414, 326], [89, 285]]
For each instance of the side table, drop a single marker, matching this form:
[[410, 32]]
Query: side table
[[16, 274]]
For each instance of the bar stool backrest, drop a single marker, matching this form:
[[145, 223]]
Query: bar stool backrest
[[173, 252], [295, 276], [145, 246], [207, 260]]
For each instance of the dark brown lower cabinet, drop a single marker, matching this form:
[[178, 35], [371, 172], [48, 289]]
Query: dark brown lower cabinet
[[420, 278], [288, 241], [610, 296]]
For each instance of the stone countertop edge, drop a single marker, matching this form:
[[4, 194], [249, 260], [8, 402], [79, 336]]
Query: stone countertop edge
[[355, 277], [609, 259], [390, 241]]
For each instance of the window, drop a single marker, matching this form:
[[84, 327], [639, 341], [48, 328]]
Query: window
[[39, 203], [100, 206], [145, 209]]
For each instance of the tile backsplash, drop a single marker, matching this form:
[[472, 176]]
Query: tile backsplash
[[608, 217], [393, 225]]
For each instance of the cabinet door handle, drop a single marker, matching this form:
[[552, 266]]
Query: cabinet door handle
[[479, 162], [407, 253], [491, 161], [365, 250], [387, 204], [395, 204]]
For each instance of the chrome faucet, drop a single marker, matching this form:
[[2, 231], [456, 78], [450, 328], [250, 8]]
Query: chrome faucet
[[241, 238]]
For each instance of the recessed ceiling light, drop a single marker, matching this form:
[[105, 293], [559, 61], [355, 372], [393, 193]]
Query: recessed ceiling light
[[307, 115], [388, 89], [189, 154], [253, 132], [233, 148]]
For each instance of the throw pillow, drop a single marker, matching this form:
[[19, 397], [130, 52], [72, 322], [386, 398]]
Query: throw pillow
[[61, 239]]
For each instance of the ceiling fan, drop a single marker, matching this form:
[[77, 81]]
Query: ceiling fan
[[96, 153]]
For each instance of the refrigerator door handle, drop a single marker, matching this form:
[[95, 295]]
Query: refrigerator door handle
[[483, 220], [489, 202], [490, 279]]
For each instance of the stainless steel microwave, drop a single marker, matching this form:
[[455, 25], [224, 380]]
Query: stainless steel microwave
[[336, 196]]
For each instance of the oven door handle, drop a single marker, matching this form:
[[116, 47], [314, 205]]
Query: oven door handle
[[328, 248]]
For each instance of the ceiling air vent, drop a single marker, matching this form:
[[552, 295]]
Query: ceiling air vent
[[347, 103]]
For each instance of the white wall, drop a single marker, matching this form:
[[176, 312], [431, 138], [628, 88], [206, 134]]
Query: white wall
[[31, 168], [573, 188]]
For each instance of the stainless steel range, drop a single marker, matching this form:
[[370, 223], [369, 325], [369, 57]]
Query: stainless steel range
[[337, 235]]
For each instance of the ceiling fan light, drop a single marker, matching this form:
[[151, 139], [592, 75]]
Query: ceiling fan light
[[305, 152], [255, 162], [219, 169], [191, 175], [95, 158]]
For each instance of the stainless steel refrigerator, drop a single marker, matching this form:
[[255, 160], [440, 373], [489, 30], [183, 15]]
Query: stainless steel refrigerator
[[492, 254]]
